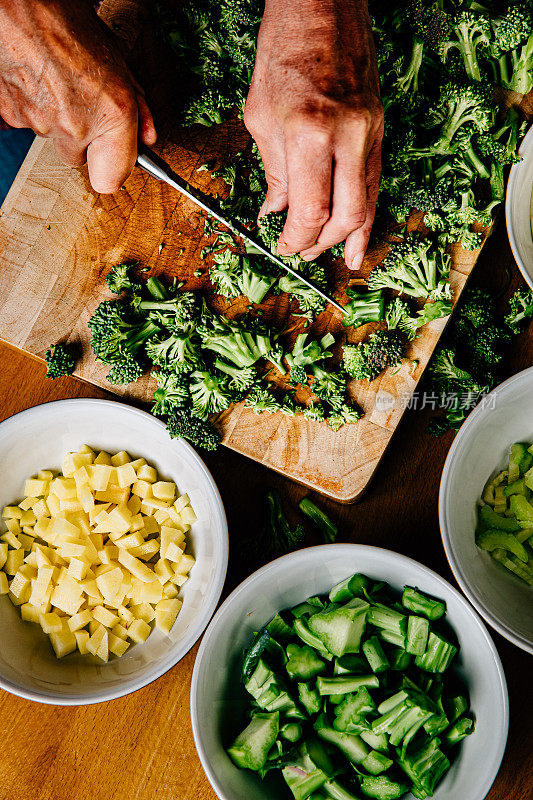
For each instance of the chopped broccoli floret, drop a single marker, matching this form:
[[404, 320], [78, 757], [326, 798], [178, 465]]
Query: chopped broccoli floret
[[363, 307], [179, 352], [197, 431], [177, 313], [209, 394], [383, 349], [116, 333], [59, 361], [118, 278], [261, 400], [241, 379], [520, 309], [172, 392], [414, 267], [345, 415]]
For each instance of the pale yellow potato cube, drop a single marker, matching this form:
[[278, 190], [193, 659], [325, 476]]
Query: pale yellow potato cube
[[43, 528], [142, 611], [120, 458], [99, 476], [82, 637], [86, 498], [36, 488], [110, 582], [66, 602], [174, 552], [132, 540], [41, 585], [63, 642], [181, 502], [4, 583], [99, 508], [29, 613], [63, 528], [14, 561], [79, 620], [101, 569], [147, 473], [70, 505], [134, 505], [40, 509], [51, 622], [105, 617], [164, 490], [94, 626], [53, 504], [82, 478], [45, 475], [125, 615], [170, 591], [64, 488], [150, 526], [120, 518], [185, 565], [26, 541], [142, 489], [98, 541], [12, 512], [20, 587], [3, 554], [146, 551], [151, 504], [166, 612], [74, 550], [136, 522], [80, 460], [151, 592], [13, 526], [170, 536], [28, 502], [28, 571], [126, 475], [113, 495], [108, 554], [77, 569], [67, 465], [162, 516], [28, 518], [85, 449], [163, 570], [139, 631], [11, 540], [188, 516], [43, 556], [136, 567], [98, 643], [103, 458], [117, 646], [138, 463], [120, 631]]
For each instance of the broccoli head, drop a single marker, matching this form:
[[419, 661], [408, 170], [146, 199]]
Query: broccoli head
[[172, 392], [383, 349], [343, 415], [116, 333], [414, 267], [271, 227], [261, 400], [209, 394], [181, 424], [363, 307], [520, 309], [59, 361], [118, 278]]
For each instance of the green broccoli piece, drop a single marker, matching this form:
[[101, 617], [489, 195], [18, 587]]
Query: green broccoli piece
[[383, 349], [469, 34], [176, 313], [181, 424], [305, 352], [343, 415], [209, 394], [125, 370], [262, 400], [363, 307], [172, 392], [298, 375], [271, 227], [328, 386], [59, 361], [117, 335], [520, 309], [314, 412], [240, 378], [177, 352], [118, 278], [414, 267]]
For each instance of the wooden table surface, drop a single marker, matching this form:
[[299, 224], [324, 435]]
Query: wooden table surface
[[141, 747]]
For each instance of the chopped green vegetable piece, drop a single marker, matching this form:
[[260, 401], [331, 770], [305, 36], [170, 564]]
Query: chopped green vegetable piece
[[425, 766], [461, 728], [303, 663], [387, 619], [309, 698], [278, 628], [522, 509], [493, 520], [302, 630], [345, 684], [438, 656], [350, 713], [417, 635], [350, 663], [350, 744], [253, 653], [341, 629], [334, 790], [327, 528], [382, 788], [353, 586], [375, 655], [291, 731], [250, 748], [376, 763], [517, 487], [491, 540], [377, 741], [420, 603]]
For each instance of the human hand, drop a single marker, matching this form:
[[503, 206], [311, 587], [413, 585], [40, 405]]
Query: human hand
[[314, 111], [61, 75]]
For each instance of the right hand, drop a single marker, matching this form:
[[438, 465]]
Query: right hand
[[61, 75]]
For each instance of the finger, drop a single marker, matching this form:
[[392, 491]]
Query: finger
[[309, 168], [275, 166], [112, 155], [147, 131], [71, 152], [357, 242]]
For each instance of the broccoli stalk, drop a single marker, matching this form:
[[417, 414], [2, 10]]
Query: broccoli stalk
[[327, 528], [363, 307], [469, 33]]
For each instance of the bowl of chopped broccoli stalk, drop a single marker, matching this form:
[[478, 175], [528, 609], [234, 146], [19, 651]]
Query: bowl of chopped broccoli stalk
[[484, 508], [519, 208], [346, 671]]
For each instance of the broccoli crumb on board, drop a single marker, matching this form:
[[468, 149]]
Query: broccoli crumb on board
[[59, 361]]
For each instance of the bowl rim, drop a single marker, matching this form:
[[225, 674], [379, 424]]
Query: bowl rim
[[195, 631], [477, 414], [525, 150], [321, 552]]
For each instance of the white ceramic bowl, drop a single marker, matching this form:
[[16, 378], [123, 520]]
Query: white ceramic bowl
[[480, 450], [39, 438], [518, 208], [217, 699]]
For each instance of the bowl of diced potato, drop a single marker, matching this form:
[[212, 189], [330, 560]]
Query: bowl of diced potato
[[113, 551]]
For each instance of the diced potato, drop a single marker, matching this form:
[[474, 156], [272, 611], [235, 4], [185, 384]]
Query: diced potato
[[142, 611], [27, 503], [103, 458], [20, 587], [85, 448], [77, 569], [14, 561], [105, 617], [147, 473], [51, 623], [162, 516], [67, 465], [12, 512], [117, 646], [13, 526], [120, 631], [164, 490], [136, 567], [132, 540], [146, 550], [99, 475], [28, 518], [41, 585], [64, 488], [151, 504], [126, 475], [82, 637], [29, 613], [63, 528], [185, 565], [109, 583], [36, 488], [79, 620], [26, 541], [3, 554], [108, 554], [181, 502], [168, 536], [98, 643], [125, 615], [63, 642], [166, 612], [120, 458], [151, 592], [134, 505], [4, 584], [170, 590], [113, 495], [53, 504], [90, 588], [136, 522], [188, 516], [139, 631], [142, 489], [80, 460], [45, 475], [66, 602], [11, 540], [40, 509], [150, 526], [163, 570]]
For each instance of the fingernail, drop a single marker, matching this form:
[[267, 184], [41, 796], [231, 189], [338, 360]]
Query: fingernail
[[284, 249], [357, 260], [308, 256], [263, 210]]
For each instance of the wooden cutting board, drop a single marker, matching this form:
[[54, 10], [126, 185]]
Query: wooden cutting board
[[58, 240]]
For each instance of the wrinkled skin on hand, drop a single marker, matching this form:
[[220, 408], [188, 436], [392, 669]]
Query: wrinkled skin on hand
[[62, 75], [314, 111]]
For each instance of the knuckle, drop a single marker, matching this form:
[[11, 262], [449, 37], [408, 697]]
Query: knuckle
[[313, 214]]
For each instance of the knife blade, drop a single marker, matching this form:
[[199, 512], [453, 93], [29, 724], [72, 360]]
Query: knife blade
[[158, 168]]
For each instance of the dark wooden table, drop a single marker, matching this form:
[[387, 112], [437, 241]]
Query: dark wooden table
[[140, 747]]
